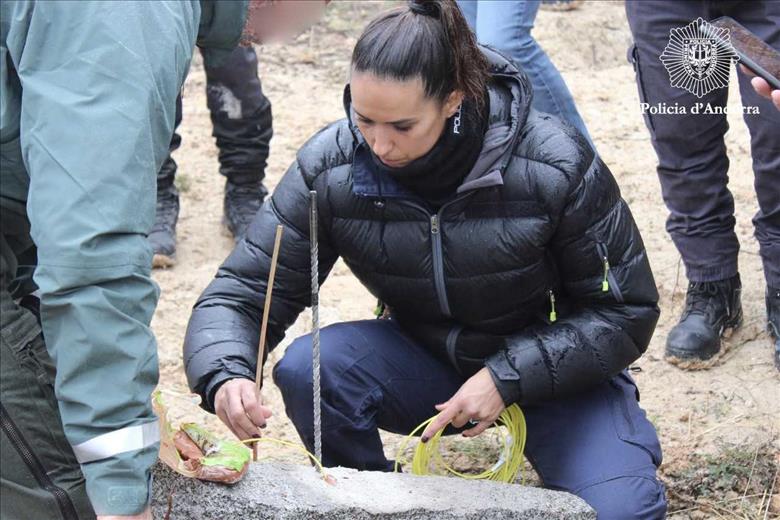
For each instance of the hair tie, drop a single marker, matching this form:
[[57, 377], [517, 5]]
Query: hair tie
[[425, 8]]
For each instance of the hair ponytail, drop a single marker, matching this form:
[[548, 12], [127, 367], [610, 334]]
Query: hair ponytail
[[429, 39]]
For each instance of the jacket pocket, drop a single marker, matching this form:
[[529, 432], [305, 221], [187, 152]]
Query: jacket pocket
[[452, 343], [633, 58], [631, 423], [609, 282], [34, 357]]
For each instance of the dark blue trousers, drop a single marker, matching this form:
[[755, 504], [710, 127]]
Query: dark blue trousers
[[598, 445], [692, 162]]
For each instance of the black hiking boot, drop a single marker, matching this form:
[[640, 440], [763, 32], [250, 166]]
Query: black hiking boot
[[163, 234], [713, 310], [773, 320], [243, 198]]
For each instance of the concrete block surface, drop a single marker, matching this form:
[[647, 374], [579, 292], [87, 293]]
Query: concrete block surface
[[287, 491]]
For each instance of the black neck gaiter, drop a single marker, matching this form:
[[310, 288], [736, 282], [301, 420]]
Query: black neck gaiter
[[436, 175]]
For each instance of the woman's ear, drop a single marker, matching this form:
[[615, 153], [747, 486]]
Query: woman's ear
[[452, 102]]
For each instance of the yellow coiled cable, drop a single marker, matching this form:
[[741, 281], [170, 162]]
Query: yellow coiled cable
[[513, 428], [512, 424]]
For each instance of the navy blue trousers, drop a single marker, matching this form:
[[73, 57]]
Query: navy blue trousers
[[598, 445]]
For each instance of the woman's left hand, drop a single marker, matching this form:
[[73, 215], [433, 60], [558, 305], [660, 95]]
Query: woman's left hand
[[478, 400]]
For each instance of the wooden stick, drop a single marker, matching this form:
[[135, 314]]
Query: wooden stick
[[264, 327]]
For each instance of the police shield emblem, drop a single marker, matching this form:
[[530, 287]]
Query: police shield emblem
[[698, 57]]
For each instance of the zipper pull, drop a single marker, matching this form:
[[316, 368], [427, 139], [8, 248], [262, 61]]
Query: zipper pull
[[605, 281], [553, 314], [434, 224]]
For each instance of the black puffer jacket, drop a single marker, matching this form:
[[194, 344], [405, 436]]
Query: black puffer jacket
[[539, 219]]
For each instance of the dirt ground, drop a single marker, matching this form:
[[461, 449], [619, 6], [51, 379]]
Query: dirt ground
[[718, 428]]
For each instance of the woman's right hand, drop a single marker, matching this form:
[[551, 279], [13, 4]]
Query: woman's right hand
[[239, 405]]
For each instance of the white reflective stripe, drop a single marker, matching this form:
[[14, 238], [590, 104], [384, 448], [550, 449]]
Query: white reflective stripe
[[118, 441]]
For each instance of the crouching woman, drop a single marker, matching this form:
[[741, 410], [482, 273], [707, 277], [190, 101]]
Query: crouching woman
[[511, 267]]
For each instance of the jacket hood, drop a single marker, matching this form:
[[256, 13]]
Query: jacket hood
[[510, 94], [221, 26]]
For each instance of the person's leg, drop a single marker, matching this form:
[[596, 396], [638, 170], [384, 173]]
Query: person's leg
[[506, 25], [763, 19], [601, 447], [240, 113], [692, 168], [242, 121], [167, 174], [692, 160], [373, 376], [162, 237]]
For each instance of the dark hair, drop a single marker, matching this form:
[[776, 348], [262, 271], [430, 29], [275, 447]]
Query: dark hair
[[426, 38]]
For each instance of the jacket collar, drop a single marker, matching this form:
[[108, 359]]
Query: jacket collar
[[367, 183]]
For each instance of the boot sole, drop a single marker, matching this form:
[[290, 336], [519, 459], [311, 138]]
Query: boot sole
[[161, 261], [693, 364]]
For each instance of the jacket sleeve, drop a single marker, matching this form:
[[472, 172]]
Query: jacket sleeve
[[606, 311], [224, 331], [97, 116]]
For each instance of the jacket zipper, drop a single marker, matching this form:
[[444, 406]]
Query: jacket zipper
[[438, 265], [10, 429], [553, 314], [436, 247], [609, 281]]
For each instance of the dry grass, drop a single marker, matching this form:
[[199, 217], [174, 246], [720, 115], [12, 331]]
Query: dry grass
[[737, 482]]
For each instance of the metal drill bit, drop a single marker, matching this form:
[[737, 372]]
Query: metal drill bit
[[315, 324]]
